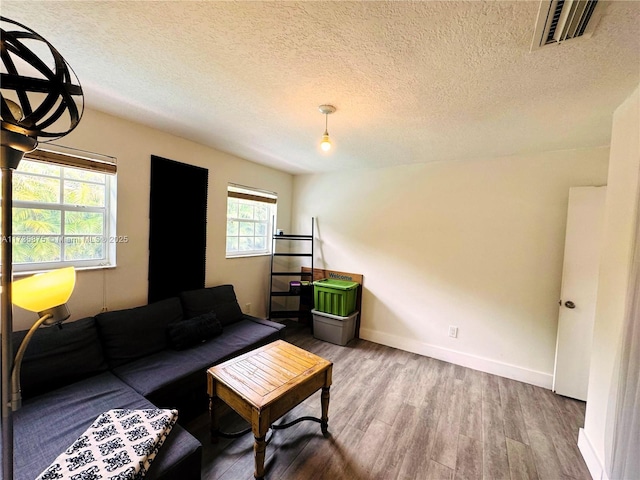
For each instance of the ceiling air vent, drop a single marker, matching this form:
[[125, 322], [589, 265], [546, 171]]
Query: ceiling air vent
[[562, 20]]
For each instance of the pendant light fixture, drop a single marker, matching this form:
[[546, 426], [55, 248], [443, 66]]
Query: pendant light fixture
[[326, 110]]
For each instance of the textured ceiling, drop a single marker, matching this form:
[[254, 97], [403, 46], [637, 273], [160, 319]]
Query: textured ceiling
[[413, 81]]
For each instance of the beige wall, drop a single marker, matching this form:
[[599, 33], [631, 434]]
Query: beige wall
[[133, 144], [621, 213], [475, 244]]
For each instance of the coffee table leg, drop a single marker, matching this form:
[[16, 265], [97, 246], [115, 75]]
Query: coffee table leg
[[324, 399], [259, 448], [213, 415]]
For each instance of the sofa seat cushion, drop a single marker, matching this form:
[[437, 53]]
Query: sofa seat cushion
[[56, 357], [189, 366], [137, 332], [48, 424], [220, 300]]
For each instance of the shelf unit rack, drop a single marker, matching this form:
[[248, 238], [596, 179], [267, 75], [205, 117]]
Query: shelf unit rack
[[275, 239]]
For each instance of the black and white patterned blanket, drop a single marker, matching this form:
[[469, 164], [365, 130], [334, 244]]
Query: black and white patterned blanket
[[119, 445]]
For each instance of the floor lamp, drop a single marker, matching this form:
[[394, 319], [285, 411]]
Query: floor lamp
[[41, 99]]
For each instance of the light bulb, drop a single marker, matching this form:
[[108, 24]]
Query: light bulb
[[15, 110], [325, 145]]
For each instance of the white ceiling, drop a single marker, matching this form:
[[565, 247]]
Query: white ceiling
[[412, 81]]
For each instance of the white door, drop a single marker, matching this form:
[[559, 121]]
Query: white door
[[579, 289]]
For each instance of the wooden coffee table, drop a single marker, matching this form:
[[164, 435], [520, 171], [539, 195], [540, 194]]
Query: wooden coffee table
[[263, 385]]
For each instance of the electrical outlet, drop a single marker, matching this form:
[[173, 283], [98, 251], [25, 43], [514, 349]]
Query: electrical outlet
[[247, 307], [453, 331]]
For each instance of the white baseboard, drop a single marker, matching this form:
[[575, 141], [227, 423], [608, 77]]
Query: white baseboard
[[487, 365], [596, 469]]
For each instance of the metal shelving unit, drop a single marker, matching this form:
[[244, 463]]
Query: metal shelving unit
[[275, 239]]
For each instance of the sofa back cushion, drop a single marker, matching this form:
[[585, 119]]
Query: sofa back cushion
[[220, 300], [56, 357], [137, 332]]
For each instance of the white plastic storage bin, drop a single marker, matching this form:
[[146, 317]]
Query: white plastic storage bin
[[333, 328]]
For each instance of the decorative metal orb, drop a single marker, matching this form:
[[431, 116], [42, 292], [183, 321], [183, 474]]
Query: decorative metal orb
[[41, 96]]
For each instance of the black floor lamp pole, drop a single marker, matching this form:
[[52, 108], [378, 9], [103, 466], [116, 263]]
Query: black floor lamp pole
[[7, 322], [13, 148], [47, 106]]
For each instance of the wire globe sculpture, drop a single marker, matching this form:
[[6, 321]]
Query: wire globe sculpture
[[41, 96]]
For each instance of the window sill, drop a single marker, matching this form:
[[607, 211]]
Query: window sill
[[24, 273], [246, 255]]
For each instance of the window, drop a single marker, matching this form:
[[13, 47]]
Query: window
[[64, 209], [250, 214]]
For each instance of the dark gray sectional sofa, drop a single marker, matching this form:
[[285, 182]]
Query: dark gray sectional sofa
[[124, 359]]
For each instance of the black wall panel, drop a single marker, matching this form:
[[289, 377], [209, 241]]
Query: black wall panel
[[178, 228]]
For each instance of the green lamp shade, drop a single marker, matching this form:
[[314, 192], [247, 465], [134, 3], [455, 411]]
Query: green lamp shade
[[45, 290]]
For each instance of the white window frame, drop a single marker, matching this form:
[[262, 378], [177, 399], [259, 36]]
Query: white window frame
[[251, 195], [68, 158]]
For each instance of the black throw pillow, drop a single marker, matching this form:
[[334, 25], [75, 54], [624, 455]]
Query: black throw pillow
[[220, 300], [187, 333]]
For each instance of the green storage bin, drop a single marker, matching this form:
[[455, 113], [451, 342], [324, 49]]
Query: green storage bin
[[337, 297]]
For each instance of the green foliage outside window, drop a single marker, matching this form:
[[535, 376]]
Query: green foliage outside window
[[248, 226], [59, 214]]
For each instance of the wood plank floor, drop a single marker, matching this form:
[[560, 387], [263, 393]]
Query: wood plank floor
[[397, 415]]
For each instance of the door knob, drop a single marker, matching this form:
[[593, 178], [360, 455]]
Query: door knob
[[569, 304]]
